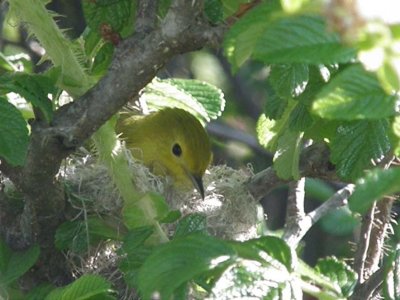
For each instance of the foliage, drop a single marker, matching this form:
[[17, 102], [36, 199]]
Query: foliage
[[323, 88]]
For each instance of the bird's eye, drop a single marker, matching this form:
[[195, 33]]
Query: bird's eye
[[177, 150]]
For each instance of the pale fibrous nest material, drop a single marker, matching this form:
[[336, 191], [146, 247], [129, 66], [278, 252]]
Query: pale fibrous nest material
[[230, 210]]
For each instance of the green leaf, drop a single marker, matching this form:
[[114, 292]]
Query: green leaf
[[74, 235], [289, 80], [247, 279], [275, 247], [389, 75], [40, 292], [354, 94], [274, 106], [269, 131], [214, 11], [5, 254], [88, 286], [340, 222], [202, 99], [191, 223], [243, 36], [356, 144], [34, 88], [18, 264], [318, 189], [14, 137], [339, 274], [112, 13], [300, 118], [300, 39], [102, 60], [155, 206], [179, 261], [171, 217], [136, 253], [374, 186], [287, 155]]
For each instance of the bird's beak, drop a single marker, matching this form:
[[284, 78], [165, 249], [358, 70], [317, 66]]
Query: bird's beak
[[198, 184]]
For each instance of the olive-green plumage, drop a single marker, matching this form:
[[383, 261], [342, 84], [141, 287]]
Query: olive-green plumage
[[170, 142]]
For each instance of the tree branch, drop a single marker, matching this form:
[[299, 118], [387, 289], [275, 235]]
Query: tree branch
[[146, 16], [367, 289], [314, 162], [296, 230], [135, 63]]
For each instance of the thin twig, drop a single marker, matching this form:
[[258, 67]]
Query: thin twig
[[381, 223], [297, 231], [362, 249], [295, 207]]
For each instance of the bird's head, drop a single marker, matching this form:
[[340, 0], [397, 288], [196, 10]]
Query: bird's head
[[185, 150]]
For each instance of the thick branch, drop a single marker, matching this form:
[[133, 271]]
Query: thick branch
[[135, 63], [146, 17]]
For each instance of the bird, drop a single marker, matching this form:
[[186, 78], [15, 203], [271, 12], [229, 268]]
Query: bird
[[171, 142]]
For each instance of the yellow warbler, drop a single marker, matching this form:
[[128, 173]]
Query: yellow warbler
[[170, 142]]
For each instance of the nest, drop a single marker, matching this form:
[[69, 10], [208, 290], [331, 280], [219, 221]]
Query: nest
[[230, 210]]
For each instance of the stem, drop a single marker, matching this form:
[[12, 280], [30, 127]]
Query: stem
[[111, 153], [39, 21]]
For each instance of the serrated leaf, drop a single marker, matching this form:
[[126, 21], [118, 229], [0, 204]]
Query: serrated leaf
[[354, 94], [356, 144], [289, 80], [18, 264], [269, 131], [14, 137], [300, 39], [339, 273], [274, 106], [136, 238], [300, 118], [374, 186], [86, 287], [340, 222], [155, 206], [179, 261], [78, 235], [34, 88], [248, 279], [275, 247], [287, 155], [108, 12], [202, 99], [191, 223], [243, 36]]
